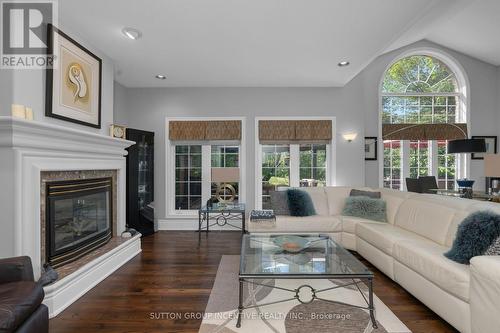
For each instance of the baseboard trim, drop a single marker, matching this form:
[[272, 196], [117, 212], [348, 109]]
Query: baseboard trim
[[63, 293], [191, 224]]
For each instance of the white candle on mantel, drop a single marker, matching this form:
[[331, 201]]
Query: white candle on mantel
[[18, 111], [29, 113]]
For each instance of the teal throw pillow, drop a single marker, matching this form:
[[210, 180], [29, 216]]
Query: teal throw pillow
[[300, 203], [476, 236], [365, 207]]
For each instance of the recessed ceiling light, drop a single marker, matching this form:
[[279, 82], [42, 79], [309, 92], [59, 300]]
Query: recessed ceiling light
[[343, 63], [160, 77], [132, 33]]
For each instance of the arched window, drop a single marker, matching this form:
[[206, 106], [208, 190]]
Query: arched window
[[421, 89]]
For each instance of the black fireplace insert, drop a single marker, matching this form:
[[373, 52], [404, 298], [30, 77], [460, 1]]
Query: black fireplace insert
[[79, 215]]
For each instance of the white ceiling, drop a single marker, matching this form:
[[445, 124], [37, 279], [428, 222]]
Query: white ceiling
[[471, 27], [474, 30], [267, 43]]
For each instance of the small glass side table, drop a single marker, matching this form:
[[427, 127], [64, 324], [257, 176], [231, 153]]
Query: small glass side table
[[221, 215]]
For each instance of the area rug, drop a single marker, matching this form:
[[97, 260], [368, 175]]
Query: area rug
[[290, 317]]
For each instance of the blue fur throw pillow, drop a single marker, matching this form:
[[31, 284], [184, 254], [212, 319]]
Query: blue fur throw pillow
[[475, 235], [300, 203], [366, 208]]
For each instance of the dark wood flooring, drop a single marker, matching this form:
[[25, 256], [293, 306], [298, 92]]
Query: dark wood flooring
[[173, 274]]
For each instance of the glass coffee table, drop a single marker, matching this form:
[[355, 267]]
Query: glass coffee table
[[282, 257]]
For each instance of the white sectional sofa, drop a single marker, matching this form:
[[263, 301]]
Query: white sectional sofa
[[409, 249]]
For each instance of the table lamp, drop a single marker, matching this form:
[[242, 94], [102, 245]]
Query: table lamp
[[466, 146], [492, 170], [225, 192]]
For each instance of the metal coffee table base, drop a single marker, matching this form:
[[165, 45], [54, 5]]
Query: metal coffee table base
[[313, 295]]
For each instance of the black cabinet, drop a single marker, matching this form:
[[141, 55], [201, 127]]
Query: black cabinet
[[140, 181]]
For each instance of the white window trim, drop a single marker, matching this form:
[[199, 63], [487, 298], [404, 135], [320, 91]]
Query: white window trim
[[172, 213], [463, 160], [331, 151]]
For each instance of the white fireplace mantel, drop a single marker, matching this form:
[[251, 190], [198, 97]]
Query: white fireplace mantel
[[26, 149], [26, 134]]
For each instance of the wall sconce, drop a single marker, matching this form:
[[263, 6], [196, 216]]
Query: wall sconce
[[349, 137]]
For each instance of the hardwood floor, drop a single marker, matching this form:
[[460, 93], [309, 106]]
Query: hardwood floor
[[173, 274]]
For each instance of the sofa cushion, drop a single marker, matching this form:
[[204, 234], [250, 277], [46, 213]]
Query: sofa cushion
[[426, 216], [336, 198], [279, 202], [349, 223], [383, 236], [393, 199], [426, 258], [318, 197], [452, 229], [363, 193], [299, 224], [18, 300]]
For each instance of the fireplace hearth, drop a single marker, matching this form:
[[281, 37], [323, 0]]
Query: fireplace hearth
[[79, 218]]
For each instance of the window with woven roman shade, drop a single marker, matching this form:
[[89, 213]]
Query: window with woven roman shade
[[449, 131], [423, 107], [289, 131], [313, 131], [204, 161], [205, 130], [292, 153], [187, 130]]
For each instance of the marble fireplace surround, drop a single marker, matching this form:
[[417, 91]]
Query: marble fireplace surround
[[49, 176], [29, 149]]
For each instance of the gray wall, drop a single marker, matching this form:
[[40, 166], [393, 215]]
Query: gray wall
[[498, 99], [355, 106], [28, 88], [484, 103], [147, 108], [6, 93]]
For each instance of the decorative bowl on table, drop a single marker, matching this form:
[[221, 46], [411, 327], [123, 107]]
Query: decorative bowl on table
[[467, 183], [291, 243]]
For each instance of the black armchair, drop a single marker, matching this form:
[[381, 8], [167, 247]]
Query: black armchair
[[21, 308], [428, 183], [413, 185]]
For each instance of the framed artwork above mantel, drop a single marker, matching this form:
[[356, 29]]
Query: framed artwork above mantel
[[73, 83]]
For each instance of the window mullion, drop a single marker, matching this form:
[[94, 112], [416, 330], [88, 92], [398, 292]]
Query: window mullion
[[405, 163], [328, 171], [258, 166], [294, 165], [206, 172], [433, 159]]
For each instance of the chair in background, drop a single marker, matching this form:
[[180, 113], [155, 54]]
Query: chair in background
[[427, 183], [413, 185]]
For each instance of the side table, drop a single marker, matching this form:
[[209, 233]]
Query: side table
[[221, 215]]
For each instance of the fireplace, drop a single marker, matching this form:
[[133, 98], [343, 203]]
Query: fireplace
[[79, 218]]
